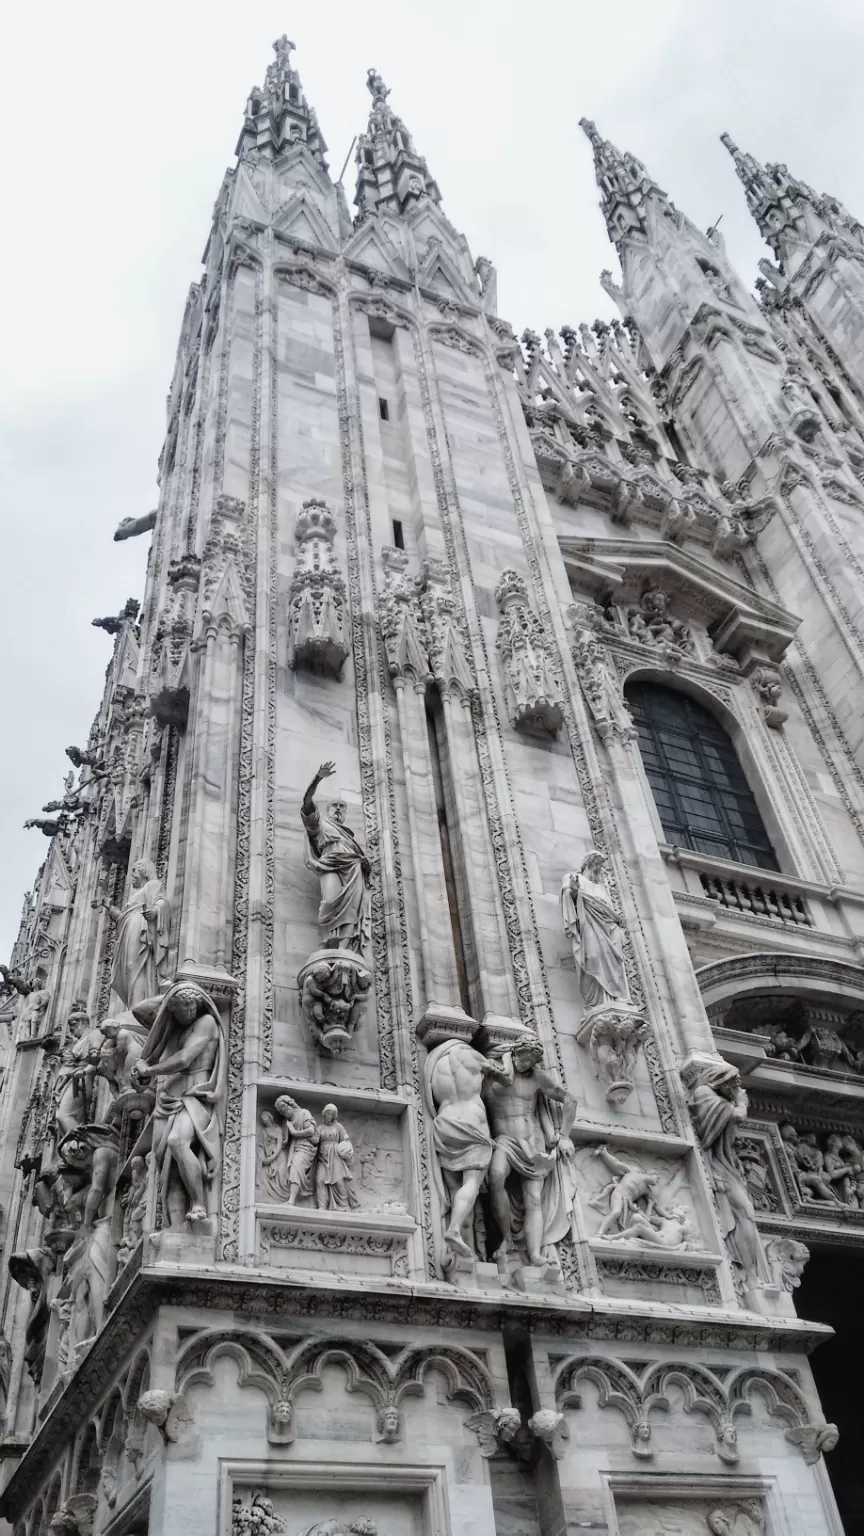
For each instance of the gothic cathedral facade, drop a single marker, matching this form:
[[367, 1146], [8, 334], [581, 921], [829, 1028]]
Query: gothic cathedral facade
[[433, 1096]]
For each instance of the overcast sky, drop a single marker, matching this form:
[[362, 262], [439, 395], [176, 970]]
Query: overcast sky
[[117, 124]]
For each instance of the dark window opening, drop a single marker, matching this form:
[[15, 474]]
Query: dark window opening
[[442, 794], [675, 442], [292, 93], [830, 1293], [703, 799], [383, 408], [398, 534]]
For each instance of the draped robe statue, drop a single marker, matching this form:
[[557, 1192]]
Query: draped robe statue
[[141, 940], [718, 1104], [344, 918], [595, 929], [184, 1054]]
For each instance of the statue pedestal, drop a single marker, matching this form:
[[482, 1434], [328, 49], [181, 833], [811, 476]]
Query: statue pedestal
[[539, 1279], [611, 1033], [334, 987], [174, 1246]]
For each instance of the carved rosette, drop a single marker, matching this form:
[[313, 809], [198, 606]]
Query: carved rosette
[[525, 652], [317, 633], [334, 988]]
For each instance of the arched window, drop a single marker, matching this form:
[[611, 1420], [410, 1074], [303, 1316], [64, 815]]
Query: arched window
[[703, 799]]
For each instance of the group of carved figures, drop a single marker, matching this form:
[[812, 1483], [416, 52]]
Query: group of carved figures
[[831, 1174], [819, 1046], [304, 1160], [161, 1057]]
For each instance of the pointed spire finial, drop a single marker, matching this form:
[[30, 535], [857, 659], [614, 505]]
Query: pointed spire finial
[[280, 114], [624, 183], [390, 172]]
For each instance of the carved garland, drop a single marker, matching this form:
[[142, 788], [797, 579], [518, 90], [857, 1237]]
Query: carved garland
[[232, 1141]]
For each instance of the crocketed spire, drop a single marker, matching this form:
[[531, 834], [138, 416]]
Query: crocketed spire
[[787, 211], [279, 115], [390, 173], [625, 186]]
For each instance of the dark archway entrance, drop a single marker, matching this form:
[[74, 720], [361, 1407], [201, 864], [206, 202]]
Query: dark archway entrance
[[832, 1291]]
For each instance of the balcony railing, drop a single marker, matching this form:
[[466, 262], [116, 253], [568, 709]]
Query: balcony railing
[[757, 897]]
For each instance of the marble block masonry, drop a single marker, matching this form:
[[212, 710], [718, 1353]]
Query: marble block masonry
[[432, 1060]]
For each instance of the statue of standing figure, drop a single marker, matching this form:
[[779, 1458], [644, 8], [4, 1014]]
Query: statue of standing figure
[[596, 932], [141, 940], [718, 1105], [185, 1053], [335, 855], [453, 1075]]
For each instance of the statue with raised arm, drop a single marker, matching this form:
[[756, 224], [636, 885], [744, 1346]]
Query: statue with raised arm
[[141, 940], [595, 929], [531, 1198], [184, 1056], [333, 852]]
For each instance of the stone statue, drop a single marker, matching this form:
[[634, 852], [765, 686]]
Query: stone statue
[[334, 1181], [333, 852], [453, 1076], [595, 929], [809, 1165], [134, 1202], [75, 1086], [530, 1196], [487, 278], [289, 1152], [662, 1229], [141, 940], [122, 1043], [33, 1010], [185, 1054], [32, 1270], [718, 1105]]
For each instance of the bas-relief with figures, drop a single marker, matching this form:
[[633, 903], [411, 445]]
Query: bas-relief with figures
[[431, 1056]]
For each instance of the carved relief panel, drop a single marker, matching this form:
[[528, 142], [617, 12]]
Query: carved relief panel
[[332, 1181]]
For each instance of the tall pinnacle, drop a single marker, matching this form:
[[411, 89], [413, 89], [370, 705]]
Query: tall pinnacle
[[390, 173], [279, 115], [787, 211], [624, 183]]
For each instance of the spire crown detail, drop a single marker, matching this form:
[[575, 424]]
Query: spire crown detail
[[624, 183], [279, 115], [390, 173]]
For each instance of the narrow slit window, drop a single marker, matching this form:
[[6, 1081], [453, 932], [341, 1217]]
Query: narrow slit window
[[383, 408], [398, 534]]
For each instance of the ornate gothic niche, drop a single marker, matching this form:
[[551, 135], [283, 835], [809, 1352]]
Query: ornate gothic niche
[[169, 681], [670, 604], [526, 654], [317, 619], [332, 1179]]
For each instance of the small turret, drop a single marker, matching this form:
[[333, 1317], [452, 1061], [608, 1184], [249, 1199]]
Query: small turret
[[390, 173], [279, 115]]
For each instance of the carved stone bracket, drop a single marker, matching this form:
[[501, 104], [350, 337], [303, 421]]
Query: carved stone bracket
[[317, 633], [334, 987], [525, 651], [612, 1034]]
